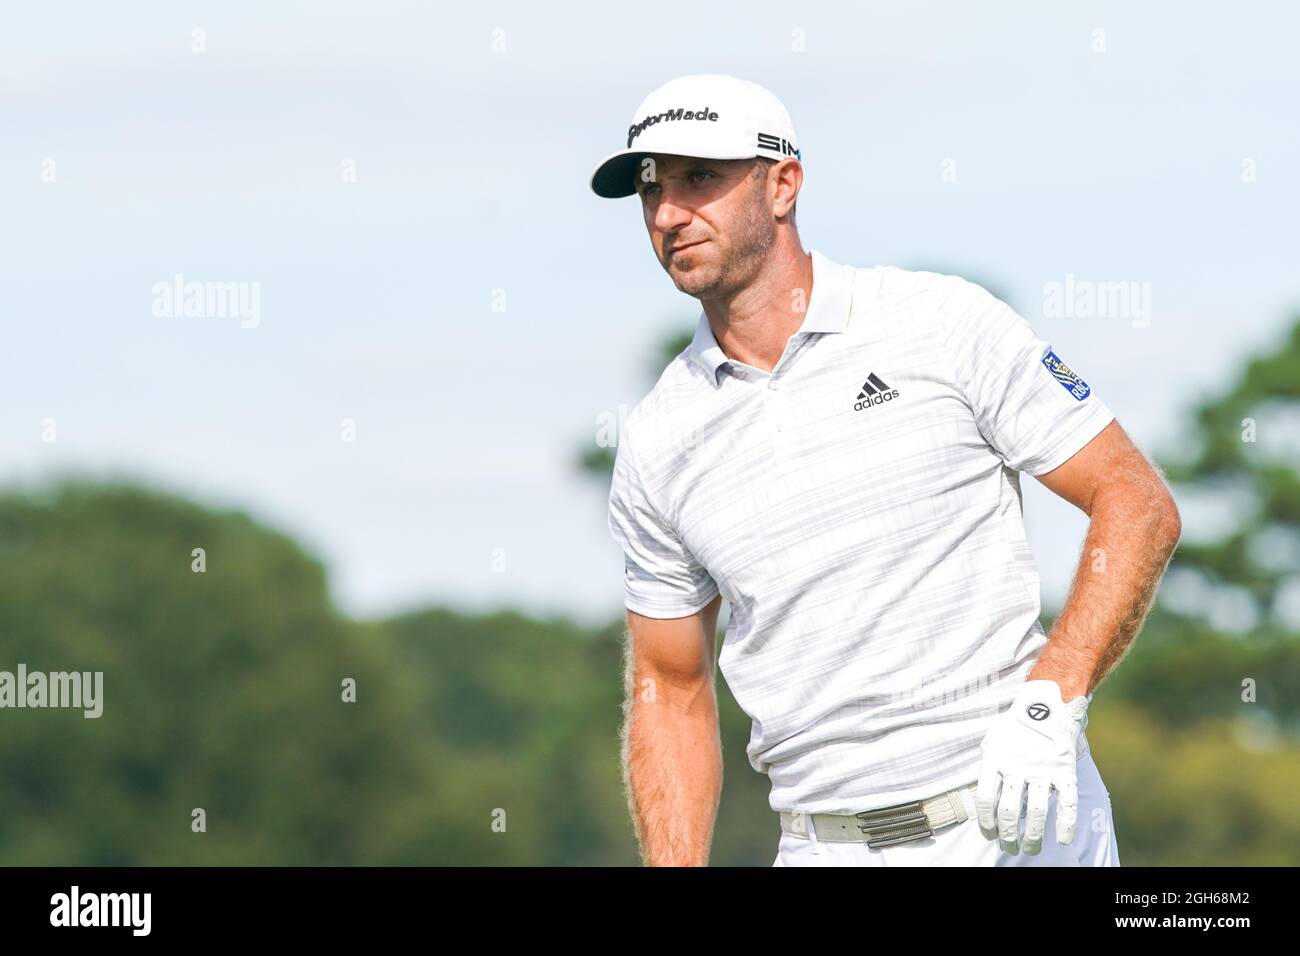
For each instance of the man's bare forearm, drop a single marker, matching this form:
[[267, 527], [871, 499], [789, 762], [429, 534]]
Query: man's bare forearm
[[1132, 533], [672, 766]]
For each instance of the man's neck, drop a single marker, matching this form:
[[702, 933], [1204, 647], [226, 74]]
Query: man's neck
[[754, 326]]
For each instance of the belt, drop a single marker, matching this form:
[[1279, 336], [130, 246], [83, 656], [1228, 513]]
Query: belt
[[883, 826]]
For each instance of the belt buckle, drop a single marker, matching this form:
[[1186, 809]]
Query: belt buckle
[[900, 823]]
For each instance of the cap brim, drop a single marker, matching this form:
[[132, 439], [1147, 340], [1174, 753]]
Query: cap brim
[[614, 178]]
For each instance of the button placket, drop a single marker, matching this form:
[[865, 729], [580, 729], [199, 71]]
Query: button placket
[[778, 423]]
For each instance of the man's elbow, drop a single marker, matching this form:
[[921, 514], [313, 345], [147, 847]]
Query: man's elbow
[[1165, 521], [1169, 522]]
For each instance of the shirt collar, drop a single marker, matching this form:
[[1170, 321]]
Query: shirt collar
[[828, 311]]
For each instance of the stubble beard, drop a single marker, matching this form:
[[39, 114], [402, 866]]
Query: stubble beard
[[753, 236]]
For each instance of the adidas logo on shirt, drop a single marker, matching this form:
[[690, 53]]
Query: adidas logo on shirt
[[874, 392]]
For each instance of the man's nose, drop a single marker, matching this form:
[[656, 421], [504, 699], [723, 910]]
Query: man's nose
[[670, 214]]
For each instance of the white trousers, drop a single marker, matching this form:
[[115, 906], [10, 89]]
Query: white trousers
[[964, 845]]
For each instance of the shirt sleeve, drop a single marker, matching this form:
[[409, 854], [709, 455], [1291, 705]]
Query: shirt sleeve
[[1032, 408], [661, 577]]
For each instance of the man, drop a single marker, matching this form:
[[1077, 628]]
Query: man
[[837, 453]]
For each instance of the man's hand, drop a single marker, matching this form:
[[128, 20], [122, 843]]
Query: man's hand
[[1031, 749]]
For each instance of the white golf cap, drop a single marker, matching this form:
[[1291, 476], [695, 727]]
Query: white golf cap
[[711, 116]]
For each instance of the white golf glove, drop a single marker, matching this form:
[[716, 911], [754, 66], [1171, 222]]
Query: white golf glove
[[1030, 749]]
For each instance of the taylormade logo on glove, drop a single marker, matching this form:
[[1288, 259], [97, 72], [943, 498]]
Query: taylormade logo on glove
[[1030, 750]]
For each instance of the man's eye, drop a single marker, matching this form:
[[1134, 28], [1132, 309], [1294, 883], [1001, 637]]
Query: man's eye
[[690, 176]]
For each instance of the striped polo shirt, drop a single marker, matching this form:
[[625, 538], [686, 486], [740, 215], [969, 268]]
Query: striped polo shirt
[[859, 509]]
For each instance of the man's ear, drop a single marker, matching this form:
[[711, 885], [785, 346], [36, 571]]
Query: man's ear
[[793, 172]]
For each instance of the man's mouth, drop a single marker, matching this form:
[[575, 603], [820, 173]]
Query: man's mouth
[[677, 249]]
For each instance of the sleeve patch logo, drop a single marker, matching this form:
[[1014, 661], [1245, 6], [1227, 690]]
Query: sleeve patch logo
[[1063, 374]]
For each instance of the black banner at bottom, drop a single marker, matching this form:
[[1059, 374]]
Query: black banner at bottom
[[236, 904]]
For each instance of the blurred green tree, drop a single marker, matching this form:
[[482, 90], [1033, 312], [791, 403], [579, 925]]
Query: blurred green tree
[[222, 691]]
